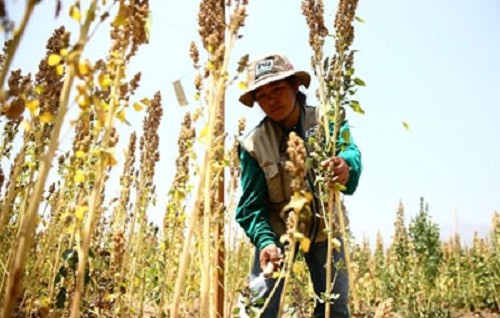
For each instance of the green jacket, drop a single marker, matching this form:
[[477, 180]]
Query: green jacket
[[255, 207]]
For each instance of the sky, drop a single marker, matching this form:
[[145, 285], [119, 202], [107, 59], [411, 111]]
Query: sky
[[431, 63]]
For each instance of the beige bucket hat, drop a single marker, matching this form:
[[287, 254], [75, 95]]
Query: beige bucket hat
[[269, 68]]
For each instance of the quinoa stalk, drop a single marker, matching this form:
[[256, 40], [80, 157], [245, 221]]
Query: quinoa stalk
[[185, 256], [83, 248]]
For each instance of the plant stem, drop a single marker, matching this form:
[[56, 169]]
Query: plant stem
[[291, 257], [83, 246], [185, 256]]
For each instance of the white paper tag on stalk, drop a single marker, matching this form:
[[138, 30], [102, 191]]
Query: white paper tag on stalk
[[179, 93]]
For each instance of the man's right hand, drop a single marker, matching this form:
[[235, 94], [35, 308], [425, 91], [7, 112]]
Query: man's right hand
[[271, 254]]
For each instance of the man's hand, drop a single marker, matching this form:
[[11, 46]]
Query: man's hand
[[339, 167], [270, 256]]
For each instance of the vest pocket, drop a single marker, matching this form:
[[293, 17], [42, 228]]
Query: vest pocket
[[274, 183]]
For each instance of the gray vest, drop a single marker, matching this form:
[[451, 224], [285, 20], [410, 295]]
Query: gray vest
[[263, 144]]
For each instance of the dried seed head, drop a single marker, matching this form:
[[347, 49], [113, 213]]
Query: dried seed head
[[198, 82], [243, 63], [194, 54], [313, 10], [343, 24], [296, 165]]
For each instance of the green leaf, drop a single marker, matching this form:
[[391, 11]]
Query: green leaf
[[406, 126], [359, 19], [339, 187], [358, 81], [357, 107], [346, 134]]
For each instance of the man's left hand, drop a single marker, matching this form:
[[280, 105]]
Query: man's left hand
[[339, 167]]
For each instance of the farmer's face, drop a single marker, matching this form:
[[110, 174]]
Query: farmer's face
[[277, 99]]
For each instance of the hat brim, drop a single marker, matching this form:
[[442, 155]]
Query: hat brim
[[248, 98]]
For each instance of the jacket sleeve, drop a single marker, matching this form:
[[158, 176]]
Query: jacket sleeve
[[252, 213], [351, 154]]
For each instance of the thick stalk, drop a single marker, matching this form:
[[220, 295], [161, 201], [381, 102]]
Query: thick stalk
[[18, 34], [185, 256], [136, 246], [347, 255], [84, 247], [215, 110], [55, 267], [329, 253], [336, 194], [291, 257], [328, 141], [11, 193]]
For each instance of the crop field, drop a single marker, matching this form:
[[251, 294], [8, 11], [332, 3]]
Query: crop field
[[69, 248]]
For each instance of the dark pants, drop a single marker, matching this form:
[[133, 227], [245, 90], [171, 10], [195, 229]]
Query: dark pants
[[316, 260]]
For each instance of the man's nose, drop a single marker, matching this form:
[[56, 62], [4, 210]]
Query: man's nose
[[272, 100]]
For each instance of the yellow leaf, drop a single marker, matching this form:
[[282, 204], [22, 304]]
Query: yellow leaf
[[80, 212], [406, 126], [70, 228], [60, 69], [203, 135], [33, 105], [112, 160], [44, 301], [64, 52], [54, 59], [305, 243], [197, 96], [104, 80], [79, 177], [105, 106], [138, 107], [242, 85], [121, 116], [83, 67], [80, 154], [210, 66], [146, 101], [39, 89], [83, 101], [46, 117], [74, 13]]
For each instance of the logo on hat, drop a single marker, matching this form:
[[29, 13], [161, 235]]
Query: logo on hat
[[263, 67]]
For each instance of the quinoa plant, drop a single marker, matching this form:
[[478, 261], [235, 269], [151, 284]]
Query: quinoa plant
[[218, 35], [336, 89]]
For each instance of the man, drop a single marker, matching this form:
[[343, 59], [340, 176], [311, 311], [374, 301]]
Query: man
[[274, 85]]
